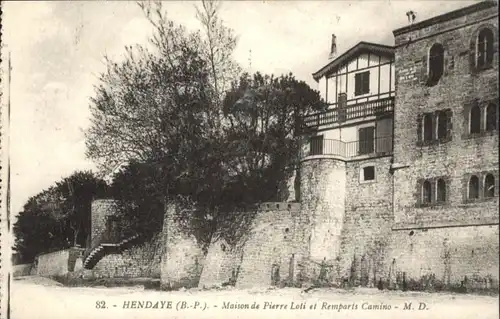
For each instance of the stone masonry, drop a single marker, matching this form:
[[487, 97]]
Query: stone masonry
[[182, 256], [269, 248], [367, 227], [366, 232], [265, 255], [453, 159], [101, 209], [138, 261], [323, 187], [222, 264]]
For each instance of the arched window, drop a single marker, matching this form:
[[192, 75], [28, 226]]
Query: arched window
[[491, 117], [484, 48], [426, 192], [427, 127], [475, 119], [473, 187], [489, 186], [441, 191], [436, 63], [442, 123]]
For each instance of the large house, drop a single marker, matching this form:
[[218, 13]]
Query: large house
[[398, 176], [403, 166]]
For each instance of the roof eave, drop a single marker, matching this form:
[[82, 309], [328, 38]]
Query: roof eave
[[321, 72]]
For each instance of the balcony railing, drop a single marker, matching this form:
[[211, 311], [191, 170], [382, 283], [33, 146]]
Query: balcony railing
[[353, 110], [376, 147]]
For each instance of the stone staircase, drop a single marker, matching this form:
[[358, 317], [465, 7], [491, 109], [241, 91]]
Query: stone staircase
[[103, 247]]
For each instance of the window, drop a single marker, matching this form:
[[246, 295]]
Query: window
[[436, 64], [489, 186], [441, 190], [316, 145], [442, 125], [491, 117], [475, 119], [435, 127], [484, 48], [473, 187], [368, 173], [427, 127], [362, 83], [366, 140], [426, 192]]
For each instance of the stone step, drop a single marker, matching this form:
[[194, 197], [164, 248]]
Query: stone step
[[93, 254]]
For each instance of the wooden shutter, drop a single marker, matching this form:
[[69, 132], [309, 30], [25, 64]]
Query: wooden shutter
[[357, 83], [366, 140], [362, 139], [449, 124], [366, 82]]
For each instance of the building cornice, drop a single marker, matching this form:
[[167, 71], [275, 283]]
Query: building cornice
[[447, 224], [446, 17]]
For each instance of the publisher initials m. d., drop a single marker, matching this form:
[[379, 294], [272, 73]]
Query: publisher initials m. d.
[[421, 306]]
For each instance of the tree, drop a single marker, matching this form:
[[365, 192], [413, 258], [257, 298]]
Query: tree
[[157, 111], [186, 124], [218, 47], [263, 141], [58, 217], [153, 99], [37, 228], [76, 194], [141, 202]]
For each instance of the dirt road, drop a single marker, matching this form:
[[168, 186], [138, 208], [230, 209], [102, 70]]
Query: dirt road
[[34, 297]]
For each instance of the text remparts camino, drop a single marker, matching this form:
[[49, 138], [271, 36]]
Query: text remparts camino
[[266, 305]]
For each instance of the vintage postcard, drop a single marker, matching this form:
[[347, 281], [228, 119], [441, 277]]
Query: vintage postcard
[[250, 159]]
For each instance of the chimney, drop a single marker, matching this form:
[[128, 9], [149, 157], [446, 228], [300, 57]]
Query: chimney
[[333, 49], [412, 15]]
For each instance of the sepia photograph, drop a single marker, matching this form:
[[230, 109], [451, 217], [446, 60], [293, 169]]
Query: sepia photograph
[[244, 159]]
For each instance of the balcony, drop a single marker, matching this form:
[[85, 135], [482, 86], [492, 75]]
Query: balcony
[[380, 146], [355, 109]]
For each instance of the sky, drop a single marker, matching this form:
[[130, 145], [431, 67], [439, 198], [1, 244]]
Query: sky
[[57, 50]]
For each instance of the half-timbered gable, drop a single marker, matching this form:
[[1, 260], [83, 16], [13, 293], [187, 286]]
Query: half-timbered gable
[[359, 89], [364, 73]]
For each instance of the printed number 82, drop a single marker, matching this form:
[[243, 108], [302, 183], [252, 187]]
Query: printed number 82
[[100, 304]]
